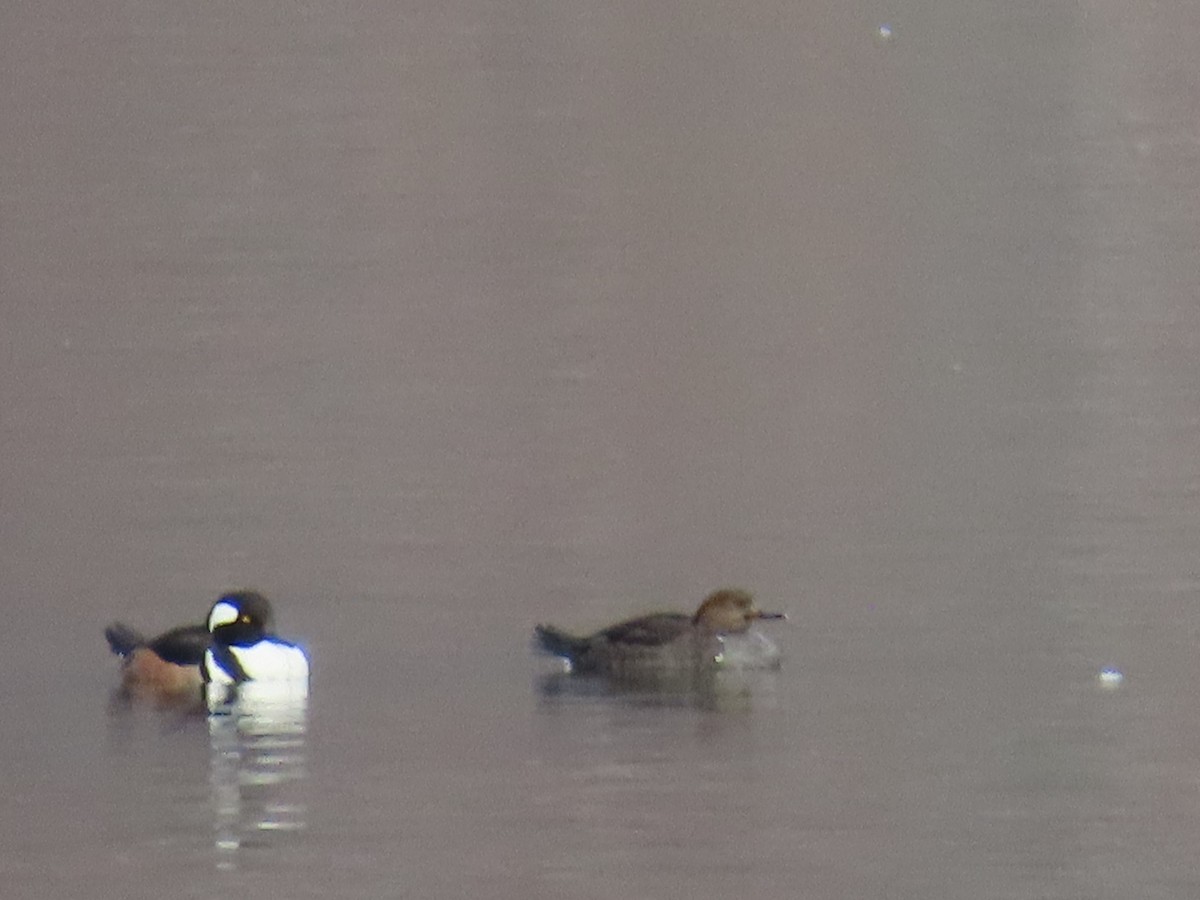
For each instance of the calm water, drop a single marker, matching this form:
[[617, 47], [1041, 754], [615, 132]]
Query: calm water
[[436, 320]]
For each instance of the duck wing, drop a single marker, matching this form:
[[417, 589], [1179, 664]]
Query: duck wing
[[648, 631], [183, 646]]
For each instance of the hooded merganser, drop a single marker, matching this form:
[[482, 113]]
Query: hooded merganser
[[164, 671], [660, 641], [243, 647]]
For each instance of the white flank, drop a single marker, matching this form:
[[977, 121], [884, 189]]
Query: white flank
[[264, 661]]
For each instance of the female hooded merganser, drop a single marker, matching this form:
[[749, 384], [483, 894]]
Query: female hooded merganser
[[164, 671], [243, 647], [660, 641]]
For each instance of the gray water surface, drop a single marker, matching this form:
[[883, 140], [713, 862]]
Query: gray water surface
[[434, 321]]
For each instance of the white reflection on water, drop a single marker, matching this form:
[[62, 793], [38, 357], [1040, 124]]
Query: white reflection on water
[[258, 756]]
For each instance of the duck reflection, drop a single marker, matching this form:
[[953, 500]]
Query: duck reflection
[[731, 691], [258, 756]]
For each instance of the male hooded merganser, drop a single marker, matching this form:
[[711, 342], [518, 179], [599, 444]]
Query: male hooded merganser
[[660, 641], [164, 671], [243, 647]]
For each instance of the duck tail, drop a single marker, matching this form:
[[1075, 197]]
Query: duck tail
[[557, 642], [122, 639]]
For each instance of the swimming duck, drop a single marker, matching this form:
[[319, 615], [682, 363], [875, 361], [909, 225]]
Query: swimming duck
[[672, 641]]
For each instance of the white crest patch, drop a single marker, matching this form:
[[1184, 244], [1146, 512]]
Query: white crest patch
[[222, 614]]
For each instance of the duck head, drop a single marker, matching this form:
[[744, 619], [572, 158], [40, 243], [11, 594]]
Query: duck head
[[240, 618], [730, 611]]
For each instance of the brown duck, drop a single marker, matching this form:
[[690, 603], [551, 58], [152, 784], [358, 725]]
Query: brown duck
[[665, 641]]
